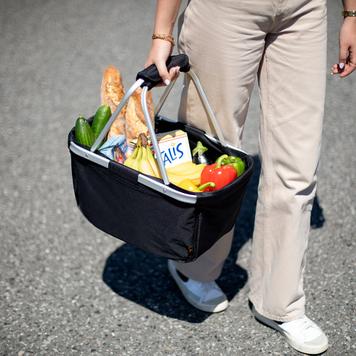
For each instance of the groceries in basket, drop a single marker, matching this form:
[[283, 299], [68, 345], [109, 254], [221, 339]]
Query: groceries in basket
[[128, 142], [86, 134], [115, 148], [174, 147], [142, 159], [130, 122], [187, 170], [199, 155]]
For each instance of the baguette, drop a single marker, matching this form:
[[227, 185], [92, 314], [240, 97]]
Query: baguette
[[112, 92], [135, 121]]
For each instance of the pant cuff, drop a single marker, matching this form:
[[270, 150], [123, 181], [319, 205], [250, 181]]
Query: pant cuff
[[201, 276], [296, 314]]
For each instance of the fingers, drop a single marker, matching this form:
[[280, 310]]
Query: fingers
[[174, 73], [350, 64], [347, 63], [344, 68], [339, 68], [349, 68], [167, 76], [163, 72], [335, 69], [343, 54]]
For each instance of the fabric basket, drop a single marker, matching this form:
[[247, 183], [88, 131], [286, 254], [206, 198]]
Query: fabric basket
[[152, 213]]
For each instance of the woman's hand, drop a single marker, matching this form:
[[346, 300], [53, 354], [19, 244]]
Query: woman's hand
[[159, 53], [347, 51]]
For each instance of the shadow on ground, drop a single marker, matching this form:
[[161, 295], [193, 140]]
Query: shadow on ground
[[143, 278]]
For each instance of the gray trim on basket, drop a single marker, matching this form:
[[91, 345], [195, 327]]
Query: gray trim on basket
[[91, 156], [142, 179]]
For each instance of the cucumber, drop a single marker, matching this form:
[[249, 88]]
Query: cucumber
[[83, 132], [101, 117]]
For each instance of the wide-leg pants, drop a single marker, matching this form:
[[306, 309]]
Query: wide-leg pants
[[282, 43]]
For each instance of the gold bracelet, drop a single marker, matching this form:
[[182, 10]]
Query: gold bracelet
[[349, 13], [165, 37]]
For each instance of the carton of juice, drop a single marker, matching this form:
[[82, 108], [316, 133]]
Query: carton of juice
[[174, 147]]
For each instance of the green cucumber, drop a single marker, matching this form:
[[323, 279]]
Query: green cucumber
[[101, 117], [83, 132]]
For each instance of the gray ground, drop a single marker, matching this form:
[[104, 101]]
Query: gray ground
[[65, 287]]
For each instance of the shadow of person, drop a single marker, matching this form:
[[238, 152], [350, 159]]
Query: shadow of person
[[144, 279], [317, 216]]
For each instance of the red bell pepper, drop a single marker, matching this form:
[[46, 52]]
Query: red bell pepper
[[219, 174]]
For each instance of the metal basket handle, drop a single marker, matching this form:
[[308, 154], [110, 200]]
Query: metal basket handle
[[163, 98], [147, 79], [204, 100]]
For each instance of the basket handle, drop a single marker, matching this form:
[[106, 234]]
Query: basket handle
[[147, 79], [151, 76], [163, 98], [205, 103]]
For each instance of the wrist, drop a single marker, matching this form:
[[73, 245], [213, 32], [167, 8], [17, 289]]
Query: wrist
[[166, 27], [349, 19]]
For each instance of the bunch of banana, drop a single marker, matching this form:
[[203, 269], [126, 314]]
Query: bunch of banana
[[142, 159], [186, 170]]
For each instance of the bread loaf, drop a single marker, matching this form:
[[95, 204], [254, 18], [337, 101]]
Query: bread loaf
[[135, 120], [130, 121], [112, 92]]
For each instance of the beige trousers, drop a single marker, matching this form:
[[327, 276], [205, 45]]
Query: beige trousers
[[283, 44]]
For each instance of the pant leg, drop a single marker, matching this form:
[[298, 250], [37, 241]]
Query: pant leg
[[224, 42], [209, 265], [292, 88]]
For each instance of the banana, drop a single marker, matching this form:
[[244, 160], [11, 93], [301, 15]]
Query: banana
[[184, 165], [131, 161], [153, 162], [142, 160], [137, 161], [185, 170], [144, 164], [175, 178]]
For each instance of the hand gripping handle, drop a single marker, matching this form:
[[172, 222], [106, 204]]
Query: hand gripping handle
[[151, 76]]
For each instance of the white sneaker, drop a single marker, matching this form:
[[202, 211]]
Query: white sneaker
[[206, 296], [302, 334]]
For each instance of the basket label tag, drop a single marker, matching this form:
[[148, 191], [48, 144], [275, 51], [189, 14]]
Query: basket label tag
[[174, 147]]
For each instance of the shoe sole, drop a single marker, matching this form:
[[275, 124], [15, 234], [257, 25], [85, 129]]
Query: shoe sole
[[301, 348], [203, 307]]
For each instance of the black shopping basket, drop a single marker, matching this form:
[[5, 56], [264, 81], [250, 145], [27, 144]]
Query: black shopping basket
[[152, 213]]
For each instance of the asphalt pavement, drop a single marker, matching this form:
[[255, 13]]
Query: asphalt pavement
[[66, 288]]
